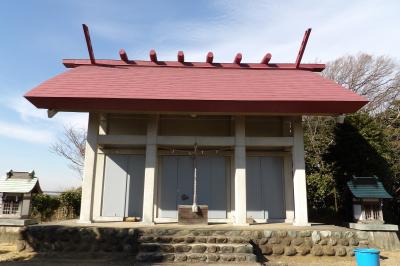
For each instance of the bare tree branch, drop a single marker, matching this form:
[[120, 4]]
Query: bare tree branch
[[377, 78], [71, 146]]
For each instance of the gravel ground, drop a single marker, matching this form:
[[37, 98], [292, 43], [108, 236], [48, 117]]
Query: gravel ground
[[10, 257]]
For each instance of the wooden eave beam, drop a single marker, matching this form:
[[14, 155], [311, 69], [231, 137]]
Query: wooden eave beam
[[51, 113], [89, 43], [303, 47]]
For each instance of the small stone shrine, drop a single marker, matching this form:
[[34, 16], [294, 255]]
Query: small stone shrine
[[16, 190]]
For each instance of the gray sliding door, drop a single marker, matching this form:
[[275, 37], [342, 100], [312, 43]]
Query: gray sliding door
[[176, 187], [176, 184], [265, 187], [135, 186], [123, 186], [211, 185]]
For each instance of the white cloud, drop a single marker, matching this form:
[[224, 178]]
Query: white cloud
[[77, 120], [30, 114], [25, 133], [25, 109], [257, 27], [33, 124]]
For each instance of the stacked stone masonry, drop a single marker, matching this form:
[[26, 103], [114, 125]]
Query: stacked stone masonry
[[193, 245]]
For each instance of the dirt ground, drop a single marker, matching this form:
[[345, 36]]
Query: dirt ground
[[10, 257]]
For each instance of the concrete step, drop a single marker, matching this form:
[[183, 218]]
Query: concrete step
[[154, 257]]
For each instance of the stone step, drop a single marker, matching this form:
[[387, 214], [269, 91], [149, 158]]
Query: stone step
[[154, 257], [193, 239], [196, 248]]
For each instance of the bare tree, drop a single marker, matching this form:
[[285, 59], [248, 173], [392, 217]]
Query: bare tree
[[71, 146], [375, 77]]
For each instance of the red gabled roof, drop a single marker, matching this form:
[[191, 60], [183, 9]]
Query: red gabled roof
[[172, 86]]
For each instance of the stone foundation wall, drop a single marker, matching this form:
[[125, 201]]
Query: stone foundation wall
[[384, 240], [317, 243], [10, 234], [194, 245]]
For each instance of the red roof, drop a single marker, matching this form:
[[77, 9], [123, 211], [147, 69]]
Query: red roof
[[193, 87]]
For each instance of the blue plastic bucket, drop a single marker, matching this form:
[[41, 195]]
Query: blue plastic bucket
[[367, 256]]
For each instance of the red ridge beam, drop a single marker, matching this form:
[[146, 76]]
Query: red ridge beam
[[303, 47], [266, 59], [123, 55], [210, 57], [89, 43], [71, 63], [181, 57], [153, 55], [238, 58]]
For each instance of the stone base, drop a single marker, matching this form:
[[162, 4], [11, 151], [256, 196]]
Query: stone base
[[192, 245], [16, 222], [374, 227], [203, 244]]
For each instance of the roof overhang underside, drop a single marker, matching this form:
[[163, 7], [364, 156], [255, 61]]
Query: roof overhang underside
[[167, 89]]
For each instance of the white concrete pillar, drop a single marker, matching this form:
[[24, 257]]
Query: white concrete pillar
[[89, 169], [288, 173], [299, 175], [150, 171], [240, 172], [98, 184], [288, 181], [99, 176]]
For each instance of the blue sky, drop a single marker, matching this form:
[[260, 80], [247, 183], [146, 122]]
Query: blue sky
[[37, 35]]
